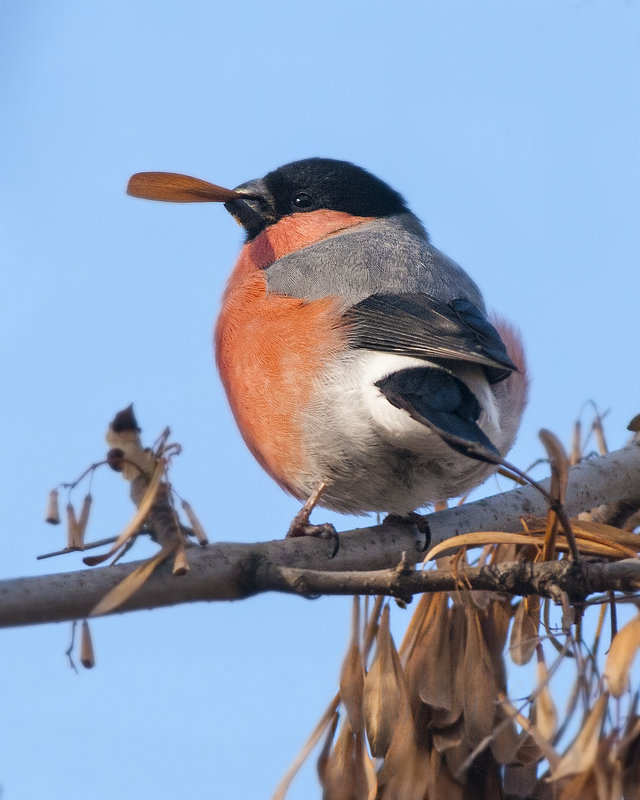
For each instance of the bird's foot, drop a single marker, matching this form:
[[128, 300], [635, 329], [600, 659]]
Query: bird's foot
[[301, 525], [418, 521]]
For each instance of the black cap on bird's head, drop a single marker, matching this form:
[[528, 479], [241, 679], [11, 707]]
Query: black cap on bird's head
[[302, 186], [310, 185]]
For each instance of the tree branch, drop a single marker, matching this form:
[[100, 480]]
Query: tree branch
[[229, 571]]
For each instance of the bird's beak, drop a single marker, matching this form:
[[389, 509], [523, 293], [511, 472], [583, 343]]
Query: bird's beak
[[171, 187], [252, 206]]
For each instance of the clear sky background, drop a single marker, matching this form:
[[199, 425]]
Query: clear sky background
[[513, 129]]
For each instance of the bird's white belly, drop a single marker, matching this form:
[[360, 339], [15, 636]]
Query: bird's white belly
[[374, 456]]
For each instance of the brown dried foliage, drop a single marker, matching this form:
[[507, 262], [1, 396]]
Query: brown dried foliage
[[433, 719]]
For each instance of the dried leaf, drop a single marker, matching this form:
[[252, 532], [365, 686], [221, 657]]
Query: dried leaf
[[629, 757], [123, 590], [406, 770], [580, 787], [530, 728], [529, 752], [620, 544], [480, 685], [52, 515], [442, 785], [84, 519], [72, 527], [367, 777], [634, 425], [340, 778], [506, 739], [596, 532], [444, 738], [384, 696], [323, 758], [180, 563], [545, 715], [623, 649], [520, 780], [195, 523], [478, 539], [606, 534], [458, 645], [417, 624], [371, 627], [171, 187], [524, 635], [581, 756], [433, 674], [559, 464], [328, 718], [457, 760], [138, 519], [503, 552], [576, 444], [598, 429], [352, 677], [495, 627], [349, 773]]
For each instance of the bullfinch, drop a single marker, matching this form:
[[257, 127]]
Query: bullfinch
[[359, 361]]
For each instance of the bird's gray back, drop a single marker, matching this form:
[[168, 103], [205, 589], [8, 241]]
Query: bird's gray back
[[389, 255]]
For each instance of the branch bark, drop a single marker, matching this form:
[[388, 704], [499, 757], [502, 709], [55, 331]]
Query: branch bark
[[230, 571]]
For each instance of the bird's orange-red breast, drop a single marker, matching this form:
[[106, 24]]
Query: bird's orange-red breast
[[355, 355], [270, 348]]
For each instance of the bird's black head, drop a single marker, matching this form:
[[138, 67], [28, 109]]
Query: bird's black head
[[310, 185]]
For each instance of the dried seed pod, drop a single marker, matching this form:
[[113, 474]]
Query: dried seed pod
[[623, 649], [115, 459], [122, 591], [83, 520], [480, 682], [352, 675], [576, 444], [546, 717], [87, 657], [73, 530], [599, 432], [53, 510], [384, 695], [634, 425], [582, 753], [323, 758], [180, 563], [196, 526], [433, 669], [340, 776], [407, 769], [524, 634]]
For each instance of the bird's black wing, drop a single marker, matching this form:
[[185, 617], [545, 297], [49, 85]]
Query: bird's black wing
[[444, 404], [421, 326]]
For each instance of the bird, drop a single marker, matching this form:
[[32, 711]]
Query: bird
[[360, 363]]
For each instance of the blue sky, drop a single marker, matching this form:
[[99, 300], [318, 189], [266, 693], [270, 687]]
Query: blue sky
[[511, 127]]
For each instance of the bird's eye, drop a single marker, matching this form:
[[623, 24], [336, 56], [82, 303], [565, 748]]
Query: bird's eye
[[302, 200]]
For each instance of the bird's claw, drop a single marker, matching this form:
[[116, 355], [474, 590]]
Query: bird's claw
[[302, 527], [418, 521]]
